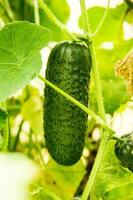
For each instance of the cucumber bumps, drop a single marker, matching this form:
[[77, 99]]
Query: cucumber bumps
[[68, 68], [124, 151]]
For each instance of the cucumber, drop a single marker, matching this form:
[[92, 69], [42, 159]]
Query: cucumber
[[68, 67], [124, 151]]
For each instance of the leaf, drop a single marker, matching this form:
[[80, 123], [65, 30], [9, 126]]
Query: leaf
[[23, 10], [120, 193], [20, 59], [111, 25], [59, 179], [3, 117], [114, 88], [111, 175]]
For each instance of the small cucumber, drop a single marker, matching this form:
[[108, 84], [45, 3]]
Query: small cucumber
[[124, 151]]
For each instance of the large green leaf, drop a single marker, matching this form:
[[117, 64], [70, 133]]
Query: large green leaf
[[20, 59], [111, 176], [111, 25]]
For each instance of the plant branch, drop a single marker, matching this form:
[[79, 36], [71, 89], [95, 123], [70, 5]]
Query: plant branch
[[94, 64], [36, 12], [95, 168], [80, 105], [120, 34], [56, 21], [104, 137]]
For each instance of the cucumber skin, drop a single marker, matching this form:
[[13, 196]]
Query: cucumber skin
[[68, 67], [123, 151]]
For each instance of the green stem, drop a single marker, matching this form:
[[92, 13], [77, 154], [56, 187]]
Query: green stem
[[94, 64], [96, 165], [56, 21], [120, 35], [9, 10], [5, 133], [36, 12], [80, 105], [102, 21], [97, 84], [104, 137]]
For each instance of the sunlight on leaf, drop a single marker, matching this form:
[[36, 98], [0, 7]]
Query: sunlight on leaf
[[20, 59]]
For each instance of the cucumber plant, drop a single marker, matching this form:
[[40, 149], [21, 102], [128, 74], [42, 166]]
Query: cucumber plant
[[74, 71]]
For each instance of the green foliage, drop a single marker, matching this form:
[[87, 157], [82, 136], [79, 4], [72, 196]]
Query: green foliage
[[112, 84], [61, 10], [23, 10], [3, 117], [111, 176], [112, 31], [63, 180], [34, 105], [111, 25], [20, 59]]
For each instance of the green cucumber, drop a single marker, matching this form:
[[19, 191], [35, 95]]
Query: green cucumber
[[68, 67], [124, 151]]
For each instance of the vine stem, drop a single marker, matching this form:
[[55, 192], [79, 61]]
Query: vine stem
[[94, 64], [102, 20], [104, 136], [95, 168], [5, 133], [56, 21], [36, 12], [80, 105], [120, 35]]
